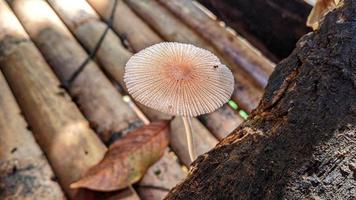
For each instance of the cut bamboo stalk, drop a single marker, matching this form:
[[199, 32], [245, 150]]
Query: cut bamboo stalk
[[58, 125], [60, 129], [157, 181], [236, 48], [221, 123], [24, 171], [108, 55], [62, 132], [98, 99], [88, 33], [128, 27], [78, 19], [113, 58], [83, 21], [247, 92]]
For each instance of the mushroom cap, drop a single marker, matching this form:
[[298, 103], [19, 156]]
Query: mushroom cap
[[178, 79]]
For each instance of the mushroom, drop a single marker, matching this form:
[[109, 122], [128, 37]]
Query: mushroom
[[179, 79]]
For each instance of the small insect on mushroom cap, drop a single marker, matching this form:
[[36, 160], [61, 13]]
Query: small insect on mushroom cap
[[178, 79]]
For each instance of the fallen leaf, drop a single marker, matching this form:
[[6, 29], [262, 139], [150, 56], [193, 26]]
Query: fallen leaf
[[320, 9], [127, 159]]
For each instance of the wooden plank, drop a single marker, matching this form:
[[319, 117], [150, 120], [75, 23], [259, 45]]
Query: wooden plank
[[236, 48], [97, 98], [113, 58], [59, 127], [247, 92], [24, 171]]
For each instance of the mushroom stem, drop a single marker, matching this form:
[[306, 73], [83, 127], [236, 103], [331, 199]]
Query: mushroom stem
[[188, 131]]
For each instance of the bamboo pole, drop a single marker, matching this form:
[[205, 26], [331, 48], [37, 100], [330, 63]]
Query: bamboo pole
[[62, 132], [234, 47], [81, 15], [92, 91], [221, 123], [114, 57], [128, 27], [163, 176], [60, 129], [247, 91], [58, 125], [203, 141], [24, 171]]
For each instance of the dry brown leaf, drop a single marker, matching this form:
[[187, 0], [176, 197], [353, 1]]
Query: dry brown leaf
[[320, 9], [127, 159]]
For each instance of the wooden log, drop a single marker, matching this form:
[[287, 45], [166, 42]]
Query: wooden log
[[98, 99], [58, 126], [24, 171], [234, 47], [247, 92], [293, 146], [114, 58], [128, 27]]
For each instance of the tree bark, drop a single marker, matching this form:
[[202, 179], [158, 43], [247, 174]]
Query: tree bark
[[299, 143]]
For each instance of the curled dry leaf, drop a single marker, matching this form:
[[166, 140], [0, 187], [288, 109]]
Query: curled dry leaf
[[127, 159], [320, 9]]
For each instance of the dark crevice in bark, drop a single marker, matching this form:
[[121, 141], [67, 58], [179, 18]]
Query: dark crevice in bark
[[299, 143]]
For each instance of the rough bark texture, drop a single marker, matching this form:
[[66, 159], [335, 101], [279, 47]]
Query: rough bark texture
[[275, 24], [300, 141]]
